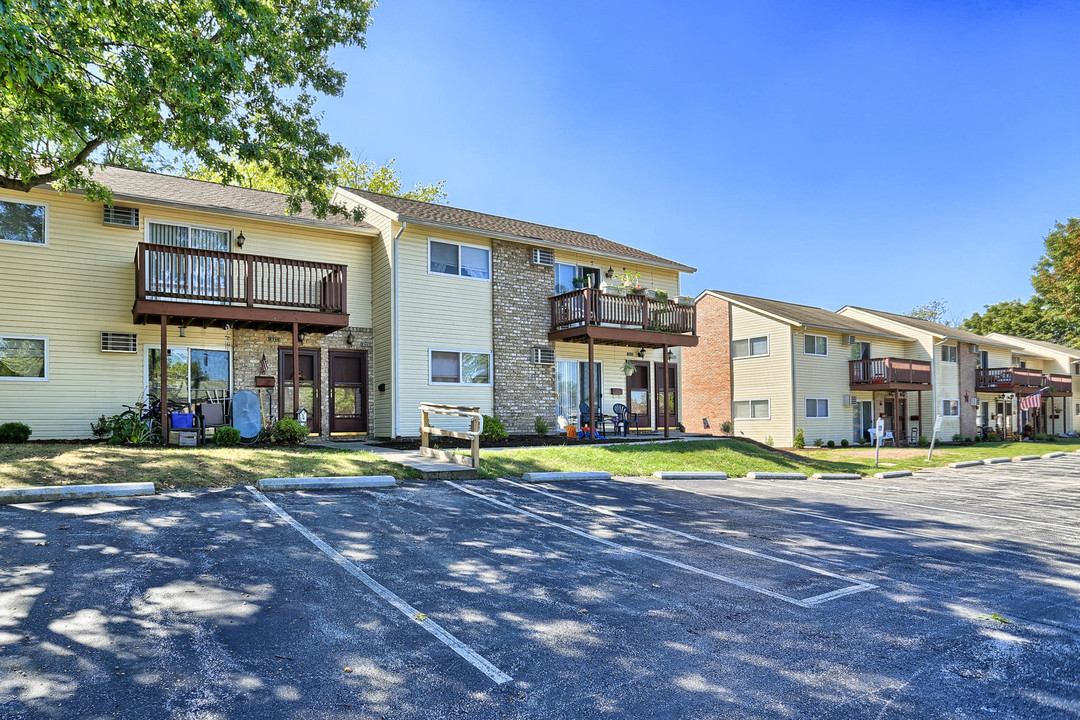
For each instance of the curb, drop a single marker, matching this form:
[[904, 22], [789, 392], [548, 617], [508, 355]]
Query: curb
[[74, 492], [836, 476], [1056, 453], [995, 461], [1021, 458], [326, 483], [893, 474], [775, 476], [966, 463], [688, 475], [556, 476]]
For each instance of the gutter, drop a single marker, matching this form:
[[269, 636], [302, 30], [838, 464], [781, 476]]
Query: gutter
[[395, 404]]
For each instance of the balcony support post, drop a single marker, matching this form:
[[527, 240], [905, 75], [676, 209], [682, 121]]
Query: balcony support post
[[592, 388], [296, 371], [163, 356], [667, 400]]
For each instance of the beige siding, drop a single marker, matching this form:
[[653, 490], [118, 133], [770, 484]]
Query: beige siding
[[83, 283], [651, 277], [382, 325], [763, 378]]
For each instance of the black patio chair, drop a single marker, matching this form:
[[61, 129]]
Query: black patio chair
[[625, 418], [601, 419]]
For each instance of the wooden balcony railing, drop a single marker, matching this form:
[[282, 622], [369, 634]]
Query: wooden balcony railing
[[590, 306], [163, 272], [1060, 384], [885, 371], [996, 379]]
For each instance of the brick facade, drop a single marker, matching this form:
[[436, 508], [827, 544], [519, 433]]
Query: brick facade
[[706, 369], [251, 346], [966, 359], [521, 315]]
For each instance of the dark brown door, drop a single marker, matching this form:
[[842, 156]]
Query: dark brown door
[[673, 395], [348, 391], [896, 408], [637, 394], [309, 386]]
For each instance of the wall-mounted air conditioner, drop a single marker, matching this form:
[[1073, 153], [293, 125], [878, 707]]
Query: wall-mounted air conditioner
[[543, 356], [543, 256], [117, 342], [120, 216]]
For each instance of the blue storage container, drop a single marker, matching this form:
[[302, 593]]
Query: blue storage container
[[182, 421]]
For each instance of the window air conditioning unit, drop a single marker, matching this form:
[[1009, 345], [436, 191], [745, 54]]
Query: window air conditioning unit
[[850, 400], [974, 349], [120, 216], [848, 340], [115, 342], [543, 356], [541, 256]]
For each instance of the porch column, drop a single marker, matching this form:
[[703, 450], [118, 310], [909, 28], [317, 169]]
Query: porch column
[[896, 416], [591, 375], [163, 394], [919, 411], [667, 390], [295, 370]]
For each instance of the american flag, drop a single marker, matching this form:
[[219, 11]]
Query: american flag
[[1032, 401]]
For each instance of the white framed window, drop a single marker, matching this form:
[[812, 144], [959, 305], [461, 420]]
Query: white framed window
[[24, 357], [751, 410], [24, 222], [950, 408], [750, 347], [817, 408], [984, 359], [195, 374], [948, 353], [565, 274], [1077, 409], [815, 345], [451, 258], [199, 237], [458, 367]]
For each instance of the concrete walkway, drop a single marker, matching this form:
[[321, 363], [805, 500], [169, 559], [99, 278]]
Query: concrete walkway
[[431, 468]]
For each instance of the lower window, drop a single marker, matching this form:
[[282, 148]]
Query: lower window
[[459, 367], [950, 408], [195, 374], [817, 408], [750, 410], [23, 358]]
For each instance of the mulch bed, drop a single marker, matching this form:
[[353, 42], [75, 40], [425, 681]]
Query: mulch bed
[[512, 441]]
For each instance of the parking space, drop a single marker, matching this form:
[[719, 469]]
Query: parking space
[[948, 594]]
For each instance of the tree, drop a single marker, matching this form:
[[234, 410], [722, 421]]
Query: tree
[[1030, 319], [935, 311], [214, 79], [1057, 273]]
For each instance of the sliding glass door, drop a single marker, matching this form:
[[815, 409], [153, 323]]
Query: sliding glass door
[[572, 389]]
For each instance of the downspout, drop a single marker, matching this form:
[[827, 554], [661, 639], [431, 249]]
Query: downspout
[[794, 398], [395, 405], [934, 364]]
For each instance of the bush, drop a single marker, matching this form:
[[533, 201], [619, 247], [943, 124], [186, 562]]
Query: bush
[[102, 428], [287, 431], [769, 440], [226, 436], [800, 439], [957, 437], [726, 427], [494, 430], [1040, 437], [541, 426], [923, 441], [967, 440], [844, 443], [14, 432], [831, 443], [818, 442]]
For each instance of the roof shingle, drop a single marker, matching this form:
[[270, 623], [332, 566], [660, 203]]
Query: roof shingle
[[810, 316]]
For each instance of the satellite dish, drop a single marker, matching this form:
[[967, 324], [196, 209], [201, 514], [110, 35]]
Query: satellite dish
[[247, 413]]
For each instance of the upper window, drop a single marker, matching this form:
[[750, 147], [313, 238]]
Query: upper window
[[750, 410], [750, 347], [454, 259], [815, 345], [23, 222], [565, 275], [24, 358], [817, 408], [459, 368], [984, 358], [948, 353], [950, 408]]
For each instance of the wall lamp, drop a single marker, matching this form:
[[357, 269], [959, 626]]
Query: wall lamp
[[240, 239]]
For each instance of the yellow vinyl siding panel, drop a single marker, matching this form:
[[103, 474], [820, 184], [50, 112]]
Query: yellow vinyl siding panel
[[824, 377], [763, 377], [651, 277]]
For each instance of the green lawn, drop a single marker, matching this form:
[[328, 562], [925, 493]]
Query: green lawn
[[737, 458], [80, 463]]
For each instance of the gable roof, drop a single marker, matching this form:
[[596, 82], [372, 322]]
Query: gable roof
[[473, 221], [947, 332], [1054, 347], [808, 315], [158, 188]]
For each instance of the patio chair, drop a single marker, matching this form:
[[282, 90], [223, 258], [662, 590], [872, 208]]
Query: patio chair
[[584, 419], [210, 416], [625, 418]]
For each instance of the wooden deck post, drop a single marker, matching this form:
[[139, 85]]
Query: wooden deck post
[[163, 394], [667, 391], [592, 390], [296, 370]]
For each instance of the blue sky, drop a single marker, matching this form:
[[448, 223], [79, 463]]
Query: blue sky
[[879, 154]]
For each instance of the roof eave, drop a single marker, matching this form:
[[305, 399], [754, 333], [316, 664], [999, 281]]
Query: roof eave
[[805, 326]]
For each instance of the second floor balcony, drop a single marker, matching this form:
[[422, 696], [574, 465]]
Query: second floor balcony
[[1009, 380], [209, 287], [889, 374], [634, 320], [1060, 385]]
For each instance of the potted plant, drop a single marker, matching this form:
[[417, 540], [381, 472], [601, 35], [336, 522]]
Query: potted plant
[[684, 300], [628, 368], [661, 295], [609, 289], [579, 282]]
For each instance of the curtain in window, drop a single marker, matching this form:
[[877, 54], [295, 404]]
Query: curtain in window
[[475, 368], [174, 235], [445, 367], [443, 258], [474, 262], [22, 357]]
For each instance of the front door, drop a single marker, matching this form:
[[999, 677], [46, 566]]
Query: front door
[[672, 398], [864, 420], [348, 391], [896, 418], [309, 385], [637, 394]]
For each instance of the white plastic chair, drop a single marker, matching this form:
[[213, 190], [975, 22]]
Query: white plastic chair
[[884, 438]]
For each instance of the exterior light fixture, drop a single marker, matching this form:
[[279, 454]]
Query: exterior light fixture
[[300, 337], [183, 331], [610, 273], [240, 239], [671, 355], [350, 338], [641, 353]]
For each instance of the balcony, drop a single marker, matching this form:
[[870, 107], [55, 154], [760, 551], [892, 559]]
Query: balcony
[[1060, 385], [632, 320], [208, 288], [1010, 380], [889, 374]]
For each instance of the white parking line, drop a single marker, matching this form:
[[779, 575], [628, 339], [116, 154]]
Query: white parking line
[[688, 536], [470, 655], [659, 558]]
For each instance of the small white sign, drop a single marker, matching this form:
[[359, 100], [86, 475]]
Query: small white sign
[[880, 426], [937, 424]]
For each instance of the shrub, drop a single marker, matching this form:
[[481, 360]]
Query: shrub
[[226, 436], [1040, 437], [844, 443], [14, 432], [800, 439], [102, 428], [494, 430], [967, 440], [287, 431], [957, 437], [831, 443], [726, 427], [923, 441], [818, 442], [769, 440], [541, 426]]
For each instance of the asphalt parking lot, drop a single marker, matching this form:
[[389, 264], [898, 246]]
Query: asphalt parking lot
[[952, 594]]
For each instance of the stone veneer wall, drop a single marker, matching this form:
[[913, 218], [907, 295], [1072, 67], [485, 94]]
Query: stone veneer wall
[[706, 369], [521, 315], [966, 367], [249, 347]]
